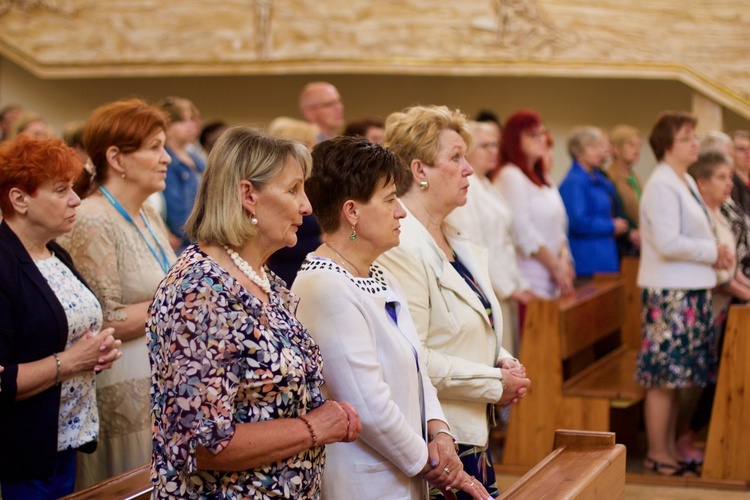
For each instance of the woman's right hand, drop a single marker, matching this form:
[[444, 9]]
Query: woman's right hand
[[563, 276], [724, 259], [92, 352], [516, 385], [333, 422]]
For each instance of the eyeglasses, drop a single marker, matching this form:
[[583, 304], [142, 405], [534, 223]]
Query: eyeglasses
[[740, 149], [686, 139], [488, 145], [327, 104], [537, 134]]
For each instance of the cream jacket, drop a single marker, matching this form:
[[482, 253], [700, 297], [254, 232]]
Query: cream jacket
[[461, 349]]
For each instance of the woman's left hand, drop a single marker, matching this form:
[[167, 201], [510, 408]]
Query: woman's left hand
[[355, 426], [442, 452], [469, 485], [510, 364]]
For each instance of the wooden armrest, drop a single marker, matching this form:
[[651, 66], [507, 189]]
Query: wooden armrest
[[131, 485], [610, 377]]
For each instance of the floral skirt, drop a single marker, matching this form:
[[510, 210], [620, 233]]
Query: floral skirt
[[477, 462], [678, 347]]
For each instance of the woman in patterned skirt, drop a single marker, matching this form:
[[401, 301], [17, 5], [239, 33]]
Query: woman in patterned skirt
[[679, 251], [236, 380]]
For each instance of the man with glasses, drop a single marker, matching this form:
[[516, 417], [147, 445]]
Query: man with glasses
[[741, 189], [320, 103]]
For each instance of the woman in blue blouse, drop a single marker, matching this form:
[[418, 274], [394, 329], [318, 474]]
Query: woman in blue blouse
[[589, 197]]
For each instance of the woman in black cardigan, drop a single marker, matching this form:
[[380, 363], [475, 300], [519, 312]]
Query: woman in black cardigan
[[50, 343]]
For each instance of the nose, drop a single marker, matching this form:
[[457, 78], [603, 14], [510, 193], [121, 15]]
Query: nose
[[400, 212], [165, 158], [75, 200], [305, 208], [467, 169]]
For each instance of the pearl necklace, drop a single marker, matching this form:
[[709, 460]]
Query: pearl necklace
[[262, 281]]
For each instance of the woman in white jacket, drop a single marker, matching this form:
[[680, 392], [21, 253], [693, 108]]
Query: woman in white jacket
[[359, 317], [678, 250], [446, 279]]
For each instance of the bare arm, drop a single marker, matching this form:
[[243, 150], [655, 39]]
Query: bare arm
[[92, 352], [259, 443], [134, 325]]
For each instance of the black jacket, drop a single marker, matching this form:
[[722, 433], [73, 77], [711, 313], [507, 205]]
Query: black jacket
[[33, 325]]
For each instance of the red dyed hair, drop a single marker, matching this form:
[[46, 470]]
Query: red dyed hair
[[510, 146], [123, 124], [27, 163]]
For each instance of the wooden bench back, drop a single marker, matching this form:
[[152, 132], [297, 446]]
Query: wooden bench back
[[131, 485], [728, 444], [583, 465], [595, 312]]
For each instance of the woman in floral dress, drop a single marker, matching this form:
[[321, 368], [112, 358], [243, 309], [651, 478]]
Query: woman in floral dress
[[236, 380], [679, 251]]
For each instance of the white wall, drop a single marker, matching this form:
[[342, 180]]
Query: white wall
[[562, 102]]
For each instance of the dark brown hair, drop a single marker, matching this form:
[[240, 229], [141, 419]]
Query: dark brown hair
[[667, 125]]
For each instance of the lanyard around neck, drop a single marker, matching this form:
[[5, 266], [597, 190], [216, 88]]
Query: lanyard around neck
[[161, 257]]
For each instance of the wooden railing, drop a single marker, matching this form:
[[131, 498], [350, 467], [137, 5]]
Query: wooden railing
[[583, 465]]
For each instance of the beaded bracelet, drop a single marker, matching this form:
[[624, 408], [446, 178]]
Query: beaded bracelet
[[57, 374], [310, 428]]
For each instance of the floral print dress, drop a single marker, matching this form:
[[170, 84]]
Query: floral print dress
[[219, 357]]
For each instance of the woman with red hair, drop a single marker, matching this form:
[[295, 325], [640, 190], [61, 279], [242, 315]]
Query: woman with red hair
[[540, 222], [120, 244], [51, 341]]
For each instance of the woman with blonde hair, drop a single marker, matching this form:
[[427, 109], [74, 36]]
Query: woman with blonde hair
[[236, 380], [445, 277]]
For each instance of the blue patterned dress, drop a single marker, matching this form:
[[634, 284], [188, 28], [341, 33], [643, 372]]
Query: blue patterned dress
[[219, 357]]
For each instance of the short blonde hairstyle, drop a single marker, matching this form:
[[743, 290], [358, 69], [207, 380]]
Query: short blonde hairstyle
[[22, 122], [414, 134], [241, 152], [296, 130], [715, 140], [622, 134], [580, 137]]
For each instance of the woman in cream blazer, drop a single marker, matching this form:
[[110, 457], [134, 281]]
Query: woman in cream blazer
[[447, 283]]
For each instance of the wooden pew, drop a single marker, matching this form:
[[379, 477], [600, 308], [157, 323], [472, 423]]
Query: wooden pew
[[131, 485], [728, 443], [631, 328], [579, 369], [583, 465]]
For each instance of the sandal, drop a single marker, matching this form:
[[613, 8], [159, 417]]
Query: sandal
[[664, 469]]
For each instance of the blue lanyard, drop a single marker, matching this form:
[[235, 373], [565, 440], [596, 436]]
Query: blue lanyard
[[163, 261]]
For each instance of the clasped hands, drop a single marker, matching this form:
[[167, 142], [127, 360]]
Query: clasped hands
[[445, 471], [515, 381], [724, 259]]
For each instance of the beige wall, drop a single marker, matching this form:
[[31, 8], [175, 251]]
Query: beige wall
[[562, 102]]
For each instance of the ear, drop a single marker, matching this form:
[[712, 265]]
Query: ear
[[113, 159], [349, 211], [19, 200], [248, 196], [418, 170]]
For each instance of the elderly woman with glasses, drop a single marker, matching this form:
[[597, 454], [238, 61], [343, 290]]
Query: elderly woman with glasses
[[679, 255]]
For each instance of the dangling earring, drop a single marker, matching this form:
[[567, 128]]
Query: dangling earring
[[424, 185], [253, 220], [353, 236]]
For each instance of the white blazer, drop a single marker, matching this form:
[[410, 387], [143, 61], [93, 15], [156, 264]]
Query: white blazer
[[374, 365], [678, 245], [461, 348]]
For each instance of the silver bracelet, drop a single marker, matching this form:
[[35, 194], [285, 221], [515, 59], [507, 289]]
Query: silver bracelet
[[59, 370], [444, 431]]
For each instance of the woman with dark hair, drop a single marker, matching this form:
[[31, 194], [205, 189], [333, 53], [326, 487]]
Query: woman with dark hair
[[679, 256], [51, 341], [236, 379], [540, 221], [358, 315], [371, 129], [120, 245]]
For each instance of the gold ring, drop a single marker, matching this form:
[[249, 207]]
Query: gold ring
[[446, 470]]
